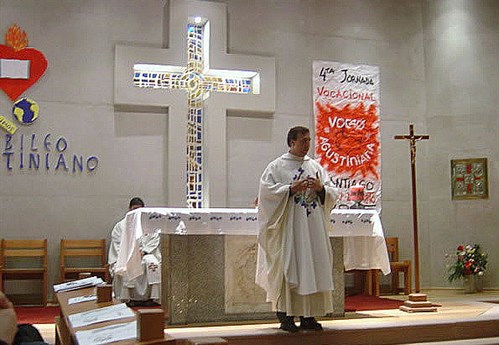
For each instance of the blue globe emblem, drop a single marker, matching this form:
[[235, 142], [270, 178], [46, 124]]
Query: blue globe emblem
[[25, 110]]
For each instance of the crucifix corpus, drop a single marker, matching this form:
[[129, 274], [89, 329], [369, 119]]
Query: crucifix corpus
[[412, 138]]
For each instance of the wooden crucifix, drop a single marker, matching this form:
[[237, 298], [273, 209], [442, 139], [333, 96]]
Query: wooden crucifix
[[412, 141]]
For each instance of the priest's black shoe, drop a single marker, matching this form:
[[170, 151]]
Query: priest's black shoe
[[287, 322], [289, 326], [309, 323]]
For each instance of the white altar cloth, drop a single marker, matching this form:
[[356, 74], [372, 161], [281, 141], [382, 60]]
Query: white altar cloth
[[364, 243]]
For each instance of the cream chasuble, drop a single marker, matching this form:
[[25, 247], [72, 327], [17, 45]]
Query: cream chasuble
[[145, 285], [294, 253]]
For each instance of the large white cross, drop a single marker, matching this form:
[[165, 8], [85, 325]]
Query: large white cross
[[246, 83]]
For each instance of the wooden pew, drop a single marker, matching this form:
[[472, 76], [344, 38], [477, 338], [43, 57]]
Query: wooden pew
[[65, 333]]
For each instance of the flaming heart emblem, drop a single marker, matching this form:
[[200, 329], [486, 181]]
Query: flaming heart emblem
[[20, 67]]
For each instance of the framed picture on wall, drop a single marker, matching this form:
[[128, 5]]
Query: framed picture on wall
[[469, 178]]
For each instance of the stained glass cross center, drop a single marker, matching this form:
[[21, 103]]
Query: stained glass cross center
[[198, 80], [198, 84]]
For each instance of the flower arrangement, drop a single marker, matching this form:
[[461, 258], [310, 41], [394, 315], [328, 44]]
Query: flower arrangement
[[469, 260]]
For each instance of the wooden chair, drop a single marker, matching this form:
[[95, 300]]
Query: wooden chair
[[24, 260], [365, 282], [392, 246], [83, 256]]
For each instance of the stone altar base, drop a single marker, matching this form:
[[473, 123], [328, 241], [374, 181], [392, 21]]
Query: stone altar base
[[211, 278]]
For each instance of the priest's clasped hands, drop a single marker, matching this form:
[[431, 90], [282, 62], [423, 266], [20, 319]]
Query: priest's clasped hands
[[309, 182]]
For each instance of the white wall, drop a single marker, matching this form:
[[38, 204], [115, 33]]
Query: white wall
[[426, 69], [461, 44], [76, 102], [439, 69]]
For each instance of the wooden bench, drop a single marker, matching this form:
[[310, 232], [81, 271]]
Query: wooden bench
[[66, 335]]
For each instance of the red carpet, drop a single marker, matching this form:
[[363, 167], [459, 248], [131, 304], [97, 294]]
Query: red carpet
[[46, 315], [39, 315], [366, 302]]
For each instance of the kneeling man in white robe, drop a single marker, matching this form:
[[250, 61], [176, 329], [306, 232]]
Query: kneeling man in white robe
[[294, 252], [144, 290]]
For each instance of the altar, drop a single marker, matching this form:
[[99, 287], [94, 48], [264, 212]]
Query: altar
[[209, 259]]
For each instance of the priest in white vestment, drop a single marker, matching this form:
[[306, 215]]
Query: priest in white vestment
[[144, 290], [294, 252]]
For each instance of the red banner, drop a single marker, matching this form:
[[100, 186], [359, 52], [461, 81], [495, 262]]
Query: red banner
[[347, 140]]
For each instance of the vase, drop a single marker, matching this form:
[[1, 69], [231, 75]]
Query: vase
[[471, 285], [478, 283]]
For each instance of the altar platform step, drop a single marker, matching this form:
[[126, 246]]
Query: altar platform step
[[462, 319], [459, 323]]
